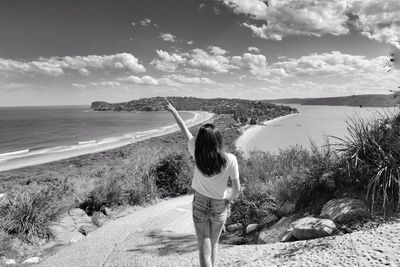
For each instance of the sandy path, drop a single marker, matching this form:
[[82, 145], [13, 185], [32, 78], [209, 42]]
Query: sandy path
[[163, 235]]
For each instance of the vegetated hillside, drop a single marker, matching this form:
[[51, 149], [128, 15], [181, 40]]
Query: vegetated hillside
[[373, 100], [243, 110]]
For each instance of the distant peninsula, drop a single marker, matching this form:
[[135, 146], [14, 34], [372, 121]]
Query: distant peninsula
[[243, 111], [372, 100]]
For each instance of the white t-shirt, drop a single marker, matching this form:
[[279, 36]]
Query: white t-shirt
[[214, 186]]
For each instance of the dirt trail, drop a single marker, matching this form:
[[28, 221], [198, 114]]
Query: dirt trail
[[163, 235]]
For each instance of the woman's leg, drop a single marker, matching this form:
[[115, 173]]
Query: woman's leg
[[204, 243], [216, 229]]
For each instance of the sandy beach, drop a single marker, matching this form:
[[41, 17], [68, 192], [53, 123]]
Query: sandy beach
[[250, 130], [55, 154]]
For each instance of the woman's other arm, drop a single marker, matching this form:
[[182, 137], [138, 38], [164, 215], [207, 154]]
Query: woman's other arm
[[235, 181], [179, 121]]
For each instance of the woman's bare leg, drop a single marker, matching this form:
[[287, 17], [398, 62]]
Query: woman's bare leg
[[204, 243], [216, 229]]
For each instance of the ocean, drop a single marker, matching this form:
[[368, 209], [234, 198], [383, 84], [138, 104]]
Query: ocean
[[41, 130], [314, 124]]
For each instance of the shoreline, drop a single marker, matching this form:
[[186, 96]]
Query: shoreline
[[83, 148], [242, 143]]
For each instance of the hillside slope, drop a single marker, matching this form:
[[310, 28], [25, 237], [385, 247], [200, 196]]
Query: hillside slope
[[373, 100]]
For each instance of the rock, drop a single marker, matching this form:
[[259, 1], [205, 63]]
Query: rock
[[99, 219], [10, 262], [269, 220], [234, 227], [79, 217], [310, 228], [287, 208], [276, 232], [251, 228], [288, 237], [85, 229], [345, 210], [106, 211], [32, 260]]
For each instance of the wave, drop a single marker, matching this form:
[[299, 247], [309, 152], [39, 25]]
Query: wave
[[89, 144]]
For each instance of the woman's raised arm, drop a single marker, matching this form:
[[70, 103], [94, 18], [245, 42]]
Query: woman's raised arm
[[179, 121]]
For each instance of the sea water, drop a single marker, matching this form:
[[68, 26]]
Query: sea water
[[40, 130], [313, 124]]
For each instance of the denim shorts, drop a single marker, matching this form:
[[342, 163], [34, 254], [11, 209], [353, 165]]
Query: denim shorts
[[206, 209]]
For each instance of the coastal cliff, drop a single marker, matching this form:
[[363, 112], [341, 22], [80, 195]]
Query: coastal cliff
[[244, 111]]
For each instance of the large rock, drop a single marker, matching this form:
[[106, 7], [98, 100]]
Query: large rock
[[345, 210], [251, 228], [276, 232], [310, 228]]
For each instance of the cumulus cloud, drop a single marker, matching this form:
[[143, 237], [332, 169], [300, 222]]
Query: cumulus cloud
[[145, 80], [190, 80], [253, 49], [168, 62], [216, 50], [56, 66], [203, 61], [333, 63], [168, 37], [376, 19], [144, 22]]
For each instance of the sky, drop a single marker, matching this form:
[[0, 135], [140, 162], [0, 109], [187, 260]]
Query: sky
[[73, 52]]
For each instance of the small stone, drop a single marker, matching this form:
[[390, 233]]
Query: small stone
[[99, 219], [85, 229], [32, 260], [251, 228], [106, 211], [10, 262], [234, 227]]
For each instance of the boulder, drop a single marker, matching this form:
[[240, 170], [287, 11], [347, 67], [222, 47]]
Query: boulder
[[310, 228], [251, 228], [345, 210], [234, 227], [276, 232]]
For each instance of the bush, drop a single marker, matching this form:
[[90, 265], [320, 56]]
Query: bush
[[28, 215], [370, 161], [173, 176], [269, 180]]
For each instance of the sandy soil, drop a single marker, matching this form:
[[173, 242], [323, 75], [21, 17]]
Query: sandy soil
[[93, 148], [163, 235]]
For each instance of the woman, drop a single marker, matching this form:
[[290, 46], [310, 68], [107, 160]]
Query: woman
[[213, 169]]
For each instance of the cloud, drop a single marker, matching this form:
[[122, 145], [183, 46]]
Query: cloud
[[190, 80], [168, 62], [168, 37], [190, 42], [376, 19], [144, 22], [145, 80], [215, 50], [203, 61], [57, 66], [333, 63], [253, 49]]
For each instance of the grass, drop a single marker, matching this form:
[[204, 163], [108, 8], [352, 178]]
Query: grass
[[28, 215], [371, 161], [270, 180]]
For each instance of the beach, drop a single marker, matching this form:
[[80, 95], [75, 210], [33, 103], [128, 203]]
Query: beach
[[250, 130], [25, 158]]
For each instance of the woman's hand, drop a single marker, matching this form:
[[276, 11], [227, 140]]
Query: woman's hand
[[170, 108]]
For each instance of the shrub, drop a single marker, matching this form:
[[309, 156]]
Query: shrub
[[28, 215], [269, 180], [371, 159], [173, 175]]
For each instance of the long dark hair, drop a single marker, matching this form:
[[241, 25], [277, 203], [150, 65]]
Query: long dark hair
[[208, 154]]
